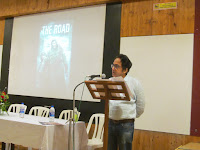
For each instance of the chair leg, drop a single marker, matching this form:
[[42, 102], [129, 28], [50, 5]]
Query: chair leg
[[3, 145], [12, 146], [8, 146]]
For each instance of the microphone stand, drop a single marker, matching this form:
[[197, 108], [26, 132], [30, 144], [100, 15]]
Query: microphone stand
[[73, 119]]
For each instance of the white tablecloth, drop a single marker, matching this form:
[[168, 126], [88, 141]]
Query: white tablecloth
[[29, 132]]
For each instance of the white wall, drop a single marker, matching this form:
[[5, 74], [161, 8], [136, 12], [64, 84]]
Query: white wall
[[164, 66]]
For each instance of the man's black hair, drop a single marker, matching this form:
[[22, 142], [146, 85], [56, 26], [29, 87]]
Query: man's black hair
[[126, 63]]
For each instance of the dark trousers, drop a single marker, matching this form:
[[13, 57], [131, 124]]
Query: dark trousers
[[120, 135]]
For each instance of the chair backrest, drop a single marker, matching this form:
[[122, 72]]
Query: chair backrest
[[66, 114], [99, 126], [39, 111], [15, 108]]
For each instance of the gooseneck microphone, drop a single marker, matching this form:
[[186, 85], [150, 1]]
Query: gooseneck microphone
[[4, 89], [99, 75]]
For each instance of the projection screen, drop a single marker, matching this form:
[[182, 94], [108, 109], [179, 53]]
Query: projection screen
[[52, 52]]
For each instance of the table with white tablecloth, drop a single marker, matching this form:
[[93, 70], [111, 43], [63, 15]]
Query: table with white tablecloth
[[29, 132]]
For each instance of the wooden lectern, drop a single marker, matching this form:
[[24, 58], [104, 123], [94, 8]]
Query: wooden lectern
[[107, 90]]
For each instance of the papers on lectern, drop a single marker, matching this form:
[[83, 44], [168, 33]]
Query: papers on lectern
[[121, 79], [112, 87]]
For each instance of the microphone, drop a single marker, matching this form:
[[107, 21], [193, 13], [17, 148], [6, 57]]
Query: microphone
[[99, 75], [4, 89]]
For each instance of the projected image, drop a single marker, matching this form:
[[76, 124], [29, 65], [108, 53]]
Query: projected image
[[52, 52], [53, 61]]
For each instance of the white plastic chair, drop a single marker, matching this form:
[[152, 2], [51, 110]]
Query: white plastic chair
[[65, 114], [16, 108], [39, 111], [97, 138]]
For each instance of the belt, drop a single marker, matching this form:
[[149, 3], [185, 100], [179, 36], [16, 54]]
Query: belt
[[122, 121]]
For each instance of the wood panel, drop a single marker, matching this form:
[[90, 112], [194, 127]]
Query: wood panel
[[195, 121], [63, 4], [10, 8], [136, 18], [2, 25], [139, 18], [148, 140]]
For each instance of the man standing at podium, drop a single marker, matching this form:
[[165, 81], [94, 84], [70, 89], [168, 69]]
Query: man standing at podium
[[122, 114]]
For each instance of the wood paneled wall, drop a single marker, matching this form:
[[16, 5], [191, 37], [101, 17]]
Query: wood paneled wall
[[10, 8], [139, 18], [22, 7], [148, 140], [2, 24]]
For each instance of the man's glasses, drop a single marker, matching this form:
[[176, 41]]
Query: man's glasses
[[116, 66]]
